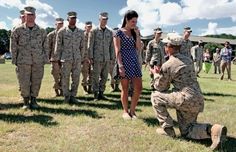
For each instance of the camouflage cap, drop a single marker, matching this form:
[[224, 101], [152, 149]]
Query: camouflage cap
[[22, 12], [72, 14], [173, 39], [103, 15], [88, 23], [29, 10], [59, 20], [188, 29], [158, 30]]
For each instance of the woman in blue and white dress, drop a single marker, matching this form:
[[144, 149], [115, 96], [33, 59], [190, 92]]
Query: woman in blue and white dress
[[127, 43]]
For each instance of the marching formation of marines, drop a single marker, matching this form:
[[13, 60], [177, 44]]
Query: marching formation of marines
[[72, 51]]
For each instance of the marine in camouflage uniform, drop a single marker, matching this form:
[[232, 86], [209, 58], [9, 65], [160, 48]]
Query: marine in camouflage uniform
[[22, 18], [29, 54], [114, 83], [186, 44], [197, 56], [101, 54], [56, 65], [155, 54], [86, 65], [69, 50], [186, 97]]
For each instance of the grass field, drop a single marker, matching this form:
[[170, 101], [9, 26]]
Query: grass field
[[98, 126]]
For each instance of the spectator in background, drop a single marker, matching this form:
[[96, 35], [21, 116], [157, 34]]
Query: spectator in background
[[197, 54], [206, 61], [226, 54], [216, 61]]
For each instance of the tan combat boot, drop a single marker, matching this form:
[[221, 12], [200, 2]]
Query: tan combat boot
[[168, 131], [218, 135]]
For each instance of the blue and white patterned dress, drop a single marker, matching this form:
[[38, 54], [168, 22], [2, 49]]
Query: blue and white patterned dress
[[129, 56]]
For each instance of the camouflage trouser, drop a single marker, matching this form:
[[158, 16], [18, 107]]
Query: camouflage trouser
[[56, 73], [70, 68], [197, 67], [187, 112], [111, 67], [86, 73], [227, 65], [30, 78], [100, 75]]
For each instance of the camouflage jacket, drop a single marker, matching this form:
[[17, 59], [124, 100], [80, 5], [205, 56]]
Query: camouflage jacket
[[86, 51], [69, 44], [186, 48], [155, 53], [197, 53], [51, 41], [101, 47], [28, 46], [179, 72]]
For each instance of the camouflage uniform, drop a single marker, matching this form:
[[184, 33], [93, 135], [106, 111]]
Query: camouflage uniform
[[69, 50], [186, 48], [197, 56], [154, 55], [56, 66], [86, 66], [102, 53], [186, 97], [29, 54]]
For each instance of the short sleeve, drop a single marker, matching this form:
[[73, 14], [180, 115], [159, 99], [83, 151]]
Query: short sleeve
[[117, 33]]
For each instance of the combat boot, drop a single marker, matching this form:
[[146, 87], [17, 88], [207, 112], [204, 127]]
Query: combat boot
[[117, 89], [113, 86], [96, 96], [73, 100], [101, 96], [61, 93], [57, 92], [168, 131], [85, 88], [218, 136], [67, 99], [33, 103], [89, 89], [26, 103]]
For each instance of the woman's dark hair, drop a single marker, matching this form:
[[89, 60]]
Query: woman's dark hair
[[129, 15]]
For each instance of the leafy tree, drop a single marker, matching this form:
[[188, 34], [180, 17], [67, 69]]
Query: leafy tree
[[49, 29], [223, 36], [4, 41]]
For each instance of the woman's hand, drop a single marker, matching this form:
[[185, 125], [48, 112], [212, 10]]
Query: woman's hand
[[122, 71], [137, 31]]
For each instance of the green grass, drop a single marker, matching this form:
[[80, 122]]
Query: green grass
[[98, 126]]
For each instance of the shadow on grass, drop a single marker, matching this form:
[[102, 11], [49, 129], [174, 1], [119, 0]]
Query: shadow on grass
[[218, 94], [44, 120], [208, 99], [70, 112], [152, 121], [228, 146], [4, 106]]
